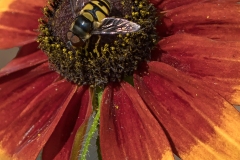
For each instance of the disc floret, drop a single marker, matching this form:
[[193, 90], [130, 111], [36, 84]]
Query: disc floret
[[103, 58]]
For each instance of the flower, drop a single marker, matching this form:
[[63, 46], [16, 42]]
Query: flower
[[180, 102]]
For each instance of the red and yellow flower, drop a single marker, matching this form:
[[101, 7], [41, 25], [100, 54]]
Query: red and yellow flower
[[181, 101]]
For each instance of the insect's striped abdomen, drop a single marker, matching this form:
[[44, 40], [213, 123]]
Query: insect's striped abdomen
[[98, 9]]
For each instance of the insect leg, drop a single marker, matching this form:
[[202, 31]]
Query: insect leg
[[96, 45]]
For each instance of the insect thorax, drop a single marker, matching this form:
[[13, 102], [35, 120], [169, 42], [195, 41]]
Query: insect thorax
[[82, 26], [90, 17]]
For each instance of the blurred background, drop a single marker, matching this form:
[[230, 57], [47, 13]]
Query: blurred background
[[7, 55]]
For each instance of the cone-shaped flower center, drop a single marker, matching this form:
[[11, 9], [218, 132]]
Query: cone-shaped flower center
[[80, 54]]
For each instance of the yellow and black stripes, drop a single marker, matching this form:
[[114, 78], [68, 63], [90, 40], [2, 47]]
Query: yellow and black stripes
[[96, 10]]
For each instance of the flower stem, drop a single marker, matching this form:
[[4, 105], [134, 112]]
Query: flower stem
[[95, 123], [90, 134]]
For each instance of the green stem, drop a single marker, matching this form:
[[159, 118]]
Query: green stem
[[90, 134], [94, 126]]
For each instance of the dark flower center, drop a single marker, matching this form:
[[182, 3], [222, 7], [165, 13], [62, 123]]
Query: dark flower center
[[102, 58]]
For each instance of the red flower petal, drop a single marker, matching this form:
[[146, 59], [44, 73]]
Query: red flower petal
[[17, 91], [215, 62], [19, 21], [60, 144], [28, 56], [215, 20], [28, 49], [199, 122], [27, 134], [171, 4], [127, 128]]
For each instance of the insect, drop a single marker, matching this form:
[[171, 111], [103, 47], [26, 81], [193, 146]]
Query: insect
[[92, 17]]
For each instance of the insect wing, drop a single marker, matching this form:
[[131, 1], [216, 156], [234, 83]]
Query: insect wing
[[77, 5], [111, 25]]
